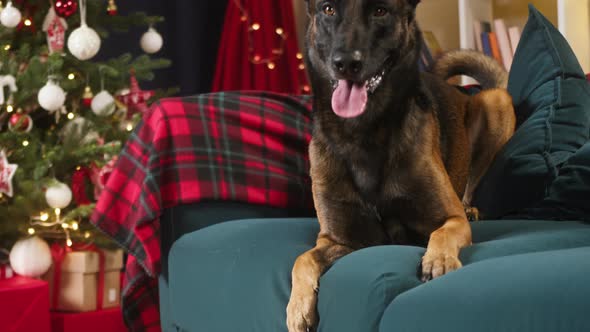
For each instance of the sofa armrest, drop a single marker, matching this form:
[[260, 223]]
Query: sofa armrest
[[183, 219]]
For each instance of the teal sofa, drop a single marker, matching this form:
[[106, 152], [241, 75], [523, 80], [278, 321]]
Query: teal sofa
[[227, 265]]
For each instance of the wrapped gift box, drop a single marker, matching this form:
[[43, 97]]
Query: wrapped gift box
[[95, 321], [24, 305], [6, 271], [79, 281]]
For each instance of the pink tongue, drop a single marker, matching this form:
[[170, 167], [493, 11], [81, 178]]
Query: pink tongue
[[349, 100]]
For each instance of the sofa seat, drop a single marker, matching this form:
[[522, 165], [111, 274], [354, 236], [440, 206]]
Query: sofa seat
[[235, 276]]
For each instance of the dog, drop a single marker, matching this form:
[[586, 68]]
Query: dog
[[395, 153]]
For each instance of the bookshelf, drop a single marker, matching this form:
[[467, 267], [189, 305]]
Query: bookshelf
[[452, 21]]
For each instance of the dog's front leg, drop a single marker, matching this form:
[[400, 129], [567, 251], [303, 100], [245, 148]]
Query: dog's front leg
[[445, 242], [302, 313]]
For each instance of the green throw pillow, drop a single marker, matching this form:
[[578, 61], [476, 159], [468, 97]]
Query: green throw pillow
[[569, 194], [552, 104]]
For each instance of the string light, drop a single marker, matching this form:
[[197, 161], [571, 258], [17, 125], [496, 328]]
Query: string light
[[276, 52], [71, 116], [9, 108], [44, 216], [75, 226], [71, 76], [31, 231], [129, 127], [25, 143], [28, 22], [7, 47]]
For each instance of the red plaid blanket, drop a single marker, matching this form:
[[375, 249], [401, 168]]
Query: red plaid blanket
[[249, 147]]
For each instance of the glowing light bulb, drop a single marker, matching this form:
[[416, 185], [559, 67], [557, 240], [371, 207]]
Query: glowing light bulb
[[129, 127], [86, 235], [256, 26], [25, 143], [71, 76], [279, 31], [57, 211], [7, 47], [299, 56], [44, 216], [75, 226], [69, 242], [71, 116], [271, 65], [9, 108], [31, 231], [28, 22]]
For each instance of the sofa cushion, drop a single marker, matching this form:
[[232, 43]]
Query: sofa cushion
[[536, 292], [356, 291], [569, 193], [552, 104], [241, 270]]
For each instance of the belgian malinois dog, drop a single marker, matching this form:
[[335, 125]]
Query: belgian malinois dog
[[395, 153]]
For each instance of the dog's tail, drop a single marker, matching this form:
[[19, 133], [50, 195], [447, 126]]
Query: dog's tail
[[486, 70]]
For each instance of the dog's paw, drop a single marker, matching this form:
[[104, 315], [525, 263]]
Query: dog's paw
[[436, 265], [302, 313]]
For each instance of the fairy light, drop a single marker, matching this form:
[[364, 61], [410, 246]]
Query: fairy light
[[256, 26], [65, 226], [69, 242], [301, 67], [57, 212], [86, 235], [279, 31], [299, 56], [9, 108], [71, 116], [271, 65], [31, 231], [71, 76], [44, 216], [28, 22], [25, 143], [129, 127], [75, 226], [7, 47]]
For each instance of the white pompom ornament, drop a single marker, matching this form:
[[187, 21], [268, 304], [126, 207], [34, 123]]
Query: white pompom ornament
[[10, 16], [58, 195], [30, 257], [84, 43], [103, 104], [151, 41], [51, 97]]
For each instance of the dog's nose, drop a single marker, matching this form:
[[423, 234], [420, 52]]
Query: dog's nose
[[348, 63]]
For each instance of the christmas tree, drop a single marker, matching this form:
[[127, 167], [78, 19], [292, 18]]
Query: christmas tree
[[59, 140]]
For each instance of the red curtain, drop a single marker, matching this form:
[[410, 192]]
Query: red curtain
[[250, 35]]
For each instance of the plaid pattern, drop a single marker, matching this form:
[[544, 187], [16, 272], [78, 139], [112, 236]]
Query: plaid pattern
[[241, 146]]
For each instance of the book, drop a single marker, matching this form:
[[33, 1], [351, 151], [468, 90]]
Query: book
[[503, 42], [514, 35], [426, 60], [495, 48], [432, 43], [485, 42]]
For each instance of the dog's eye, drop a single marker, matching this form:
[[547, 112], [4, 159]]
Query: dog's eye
[[328, 10], [380, 12]]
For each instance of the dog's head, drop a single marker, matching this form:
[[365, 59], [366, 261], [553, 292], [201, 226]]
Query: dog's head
[[352, 43]]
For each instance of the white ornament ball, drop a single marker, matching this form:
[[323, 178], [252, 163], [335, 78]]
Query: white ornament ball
[[51, 97], [84, 42], [103, 104], [30, 257], [10, 16], [59, 195], [151, 41]]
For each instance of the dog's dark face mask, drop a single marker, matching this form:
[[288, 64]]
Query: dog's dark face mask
[[353, 43]]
